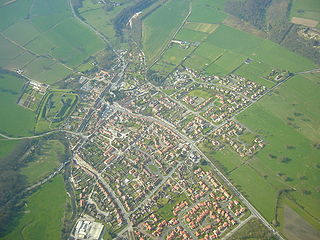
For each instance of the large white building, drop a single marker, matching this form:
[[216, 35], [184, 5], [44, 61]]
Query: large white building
[[88, 230]]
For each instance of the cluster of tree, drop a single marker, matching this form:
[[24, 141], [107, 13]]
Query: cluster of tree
[[155, 77], [121, 21], [253, 229], [107, 59], [277, 20], [273, 17], [305, 47], [252, 11]]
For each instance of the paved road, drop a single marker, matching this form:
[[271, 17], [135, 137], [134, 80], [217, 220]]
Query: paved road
[[229, 234], [156, 188], [84, 164], [317, 70]]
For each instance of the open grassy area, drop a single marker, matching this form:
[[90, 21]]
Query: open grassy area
[[257, 190], [289, 122], [206, 11], [159, 27], [201, 27], [15, 120], [259, 49], [7, 147], [167, 206], [174, 55], [43, 214], [45, 160], [45, 28]]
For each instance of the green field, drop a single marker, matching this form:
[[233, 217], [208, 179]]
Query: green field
[[15, 120], [256, 71], [166, 210], [174, 55], [259, 49], [43, 214], [45, 160], [156, 35], [206, 11], [191, 35], [289, 122], [228, 62], [41, 37], [309, 9], [7, 147]]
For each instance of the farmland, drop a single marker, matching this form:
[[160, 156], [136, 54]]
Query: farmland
[[306, 9], [43, 213], [44, 40], [17, 121], [288, 121], [155, 35]]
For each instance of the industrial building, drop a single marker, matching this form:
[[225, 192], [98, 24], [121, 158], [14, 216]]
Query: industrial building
[[88, 230]]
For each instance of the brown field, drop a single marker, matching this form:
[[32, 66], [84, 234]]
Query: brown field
[[304, 21], [201, 27], [296, 228]]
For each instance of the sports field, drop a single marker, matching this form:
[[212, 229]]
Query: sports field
[[43, 213]]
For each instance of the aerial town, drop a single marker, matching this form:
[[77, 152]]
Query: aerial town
[[138, 166]]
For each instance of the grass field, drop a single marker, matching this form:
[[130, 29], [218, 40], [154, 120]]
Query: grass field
[[45, 28], [258, 49], [156, 35], [206, 11], [228, 62], [7, 147], [43, 214], [201, 27], [226, 159], [289, 122], [47, 158], [175, 54], [15, 120], [259, 192], [166, 210], [309, 9], [255, 71]]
